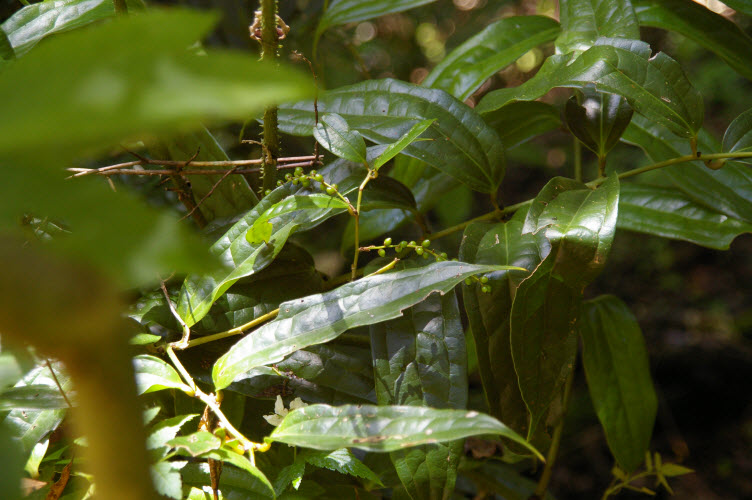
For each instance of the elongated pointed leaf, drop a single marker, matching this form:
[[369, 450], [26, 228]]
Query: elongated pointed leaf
[[501, 43], [384, 428], [153, 374], [618, 375], [319, 318], [519, 122], [26, 27], [738, 136], [396, 147], [420, 360], [32, 397], [166, 479], [710, 30], [656, 87], [462, 145], [489, 313], [597, 119], [669, 213], [584, 21], [335, 135], [350, 11]]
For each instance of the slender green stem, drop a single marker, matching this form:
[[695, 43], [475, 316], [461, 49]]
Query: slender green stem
[[577, 159], [385, 268], [354, 268], [553, 451], [269, 46], [181, 369], [121, 8], [234, 331]]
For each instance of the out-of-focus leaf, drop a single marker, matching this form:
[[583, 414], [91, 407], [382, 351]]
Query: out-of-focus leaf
[[655, 87], [396, 148], [461, 144], [501, 43], [597, 119], [519, 122], [31, 426], [233, 482], [584, 21], [320, 318], [488, 313], [128, 77], [12, 457], [384, 428], [710, 30], [35, 458], [10, 369], [335, 135], [166, 479], [618, 375], [669, 213], [501, 479], [420, 359], [32, 397], [153, 374], [6, 49], [26, 27], [351, 11]]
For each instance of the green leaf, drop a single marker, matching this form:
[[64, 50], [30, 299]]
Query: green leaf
[[654, 87], [320, 318], [672, 470], [350, 11], [335, 135], [290, 475], [488, 313], [12, 457], [28, 427], [396, 148], [461, 144], [108, 89], [197, 443], [669, 213], [233, 482], [712, 31], [420, 359], [166, 479], [261, 230], [500, 478], [584, 21], [383, 428], [6, 49], [500, 44], [165, 430], [519, 122], [743, 6], [26, 27], [230, 195], [738, 136], [153, 374], [598, 120], [32, 397], [341, 461], [618, 375]]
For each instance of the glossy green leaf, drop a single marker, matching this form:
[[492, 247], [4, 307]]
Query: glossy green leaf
[[618, 375], [461, 144], [165, 430], [420, 359], [500, 44], [261, 230], [710, 30], [350, 11], [26, 27], [669, 213], [229, 196], [151, 86], [396, 148], [518, 122], [597, 119], [153, 374], [197, 443], [335, 135], [166, 479], [488, 313], [341, 461], [320, 318], [233, 482], [738, 136], [384, 428], [727, 190], [655, 87], [32, 397], [28, 427], [584, 21]]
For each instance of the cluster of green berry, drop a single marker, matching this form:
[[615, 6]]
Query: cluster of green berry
[[483, 280], [299, 177]]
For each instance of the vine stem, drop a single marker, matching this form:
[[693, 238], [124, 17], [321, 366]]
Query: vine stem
[[370, 175], [597, 182]]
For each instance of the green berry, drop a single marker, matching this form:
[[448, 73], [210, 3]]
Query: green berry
[[412, 244], [334, 186], [387, 242], [267, 192], [288, 177], [425, 255], [305, 182], [296, 181], [426, 243], [298, 171], [330, 190], [313, 173], [484, 279], [485, 289], [403, 243], [382, 252], [444, 256], [318, 177], [419, 250], [468, 281]]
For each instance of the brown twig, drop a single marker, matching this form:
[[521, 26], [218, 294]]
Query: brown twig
[[183, 342], [57, 383], [216, 184]]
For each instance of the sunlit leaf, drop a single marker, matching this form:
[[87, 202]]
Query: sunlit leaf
[[32, 397], [584, 21], [153, 374]]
